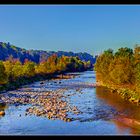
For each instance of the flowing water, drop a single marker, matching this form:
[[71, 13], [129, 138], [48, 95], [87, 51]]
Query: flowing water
[[100, 109]]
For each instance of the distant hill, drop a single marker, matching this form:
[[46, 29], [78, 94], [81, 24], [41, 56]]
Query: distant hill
[[6, 50]]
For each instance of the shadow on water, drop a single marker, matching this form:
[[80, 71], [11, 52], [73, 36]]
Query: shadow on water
[[122, 106]]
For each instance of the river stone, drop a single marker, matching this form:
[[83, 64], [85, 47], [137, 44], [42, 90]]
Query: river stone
[[2, 113]]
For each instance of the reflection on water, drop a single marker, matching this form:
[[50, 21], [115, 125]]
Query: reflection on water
[[124, 109], [100, 109]]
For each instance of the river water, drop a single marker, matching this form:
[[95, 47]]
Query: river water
[[100, 111]]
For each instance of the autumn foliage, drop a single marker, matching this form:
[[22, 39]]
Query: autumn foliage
[[121, 68], [13, 71]]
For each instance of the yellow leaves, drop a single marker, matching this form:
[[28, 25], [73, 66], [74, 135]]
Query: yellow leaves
[[118, 67], [14, 69], [3, 76], [29, 69]]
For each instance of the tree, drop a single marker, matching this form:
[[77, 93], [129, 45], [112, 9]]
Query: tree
[[124, 52], [62, 64], [3, 76], [137, 75], [121, 71], [17, 70], [8, 69], [116, 68], [137, 54], [29, 69], [13, 69], [87, 65], [102, 64]]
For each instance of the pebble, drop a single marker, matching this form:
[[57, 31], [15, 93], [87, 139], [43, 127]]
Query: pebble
[[2, 113], [47, 104]]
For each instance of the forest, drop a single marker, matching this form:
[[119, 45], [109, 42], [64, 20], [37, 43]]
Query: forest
[[7, 49], [14, 73], [120, 70]]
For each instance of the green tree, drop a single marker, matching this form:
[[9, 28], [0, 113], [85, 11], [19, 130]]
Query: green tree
[[3, 76], [8, 69], [17, 70], [124, 52], [102, 64], [29, 69]]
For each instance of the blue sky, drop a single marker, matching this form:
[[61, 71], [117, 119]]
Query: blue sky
[[78, 28]]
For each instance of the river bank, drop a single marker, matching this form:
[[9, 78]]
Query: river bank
[[125, 92], [50, 104], [80, 108], [25, 81]]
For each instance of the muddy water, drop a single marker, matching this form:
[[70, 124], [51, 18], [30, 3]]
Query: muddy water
[[101, 111]]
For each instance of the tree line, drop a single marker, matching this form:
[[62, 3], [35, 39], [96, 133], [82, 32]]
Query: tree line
[[13, 73], [7, 49], [120, 68]]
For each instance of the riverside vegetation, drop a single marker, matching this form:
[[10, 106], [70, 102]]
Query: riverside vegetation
[[120, 71], [13, 73], [20, 67], [50, 104]]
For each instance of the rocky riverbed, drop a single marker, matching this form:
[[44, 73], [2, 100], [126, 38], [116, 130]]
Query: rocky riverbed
[[50, 104], [67, 106]]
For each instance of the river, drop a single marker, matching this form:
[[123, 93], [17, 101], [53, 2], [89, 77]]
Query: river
[[100, 110]]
